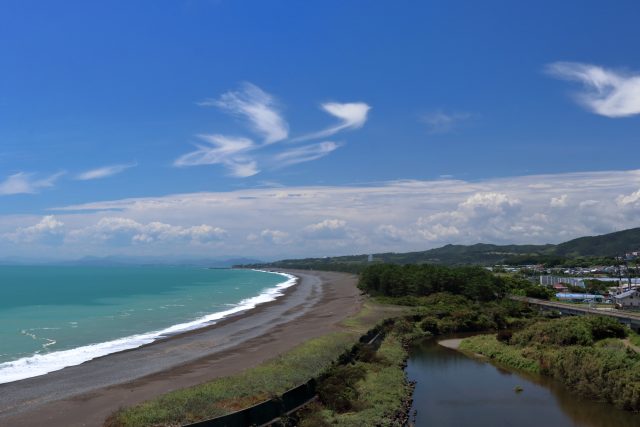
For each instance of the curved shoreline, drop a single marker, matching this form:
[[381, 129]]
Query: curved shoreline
[[85, 394], [42, 364]]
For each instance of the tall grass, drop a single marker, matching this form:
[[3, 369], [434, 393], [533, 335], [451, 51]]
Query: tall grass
[[587, 354], [381, 392], [229, 394], [489, 346]]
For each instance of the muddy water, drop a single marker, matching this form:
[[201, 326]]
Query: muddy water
[[455, 390]]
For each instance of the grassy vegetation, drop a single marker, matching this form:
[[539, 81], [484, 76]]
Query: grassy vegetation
[[503, 354], [368, 393], [634, 339], [226, 395], [229, 394], [588, 354]]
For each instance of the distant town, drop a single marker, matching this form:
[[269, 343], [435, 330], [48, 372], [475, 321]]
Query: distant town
[[616, 285]]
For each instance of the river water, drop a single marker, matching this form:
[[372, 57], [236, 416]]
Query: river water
[[455, 390]]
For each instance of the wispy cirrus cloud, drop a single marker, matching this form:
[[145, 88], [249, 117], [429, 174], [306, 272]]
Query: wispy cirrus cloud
[[257, 107], [443, 122], [221, 149], [27, 183], [104, 172], [242, 156], [305, 153], [352, 115], [607, 92]]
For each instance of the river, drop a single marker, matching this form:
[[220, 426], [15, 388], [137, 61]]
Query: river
[[455, 390]]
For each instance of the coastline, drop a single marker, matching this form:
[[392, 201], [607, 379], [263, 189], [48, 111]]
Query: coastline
[[42, 364], [85, 394]]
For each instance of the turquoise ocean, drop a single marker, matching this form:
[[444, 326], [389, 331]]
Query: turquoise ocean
[[57, 316]]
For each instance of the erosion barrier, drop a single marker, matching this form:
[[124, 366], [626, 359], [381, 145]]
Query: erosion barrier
[[270, 410]]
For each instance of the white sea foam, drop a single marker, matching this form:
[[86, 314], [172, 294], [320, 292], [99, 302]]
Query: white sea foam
[[40, 364]]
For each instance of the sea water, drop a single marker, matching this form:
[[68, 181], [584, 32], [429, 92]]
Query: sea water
[[57, 316]]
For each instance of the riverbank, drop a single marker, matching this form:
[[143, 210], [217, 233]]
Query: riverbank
[[86, 394], [452, 343], [455, 388], [590, 355]]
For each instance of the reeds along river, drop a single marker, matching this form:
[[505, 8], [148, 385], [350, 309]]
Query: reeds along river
[[455, 390]]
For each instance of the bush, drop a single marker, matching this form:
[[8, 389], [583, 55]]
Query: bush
[[311, 416], [606, 327], [584, 330], [563, 332], [338, 391], [367, 354], [564, 349], [504, 336], [430, 324]]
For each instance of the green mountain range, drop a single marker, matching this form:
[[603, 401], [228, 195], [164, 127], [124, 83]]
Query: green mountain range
[[604, 246]]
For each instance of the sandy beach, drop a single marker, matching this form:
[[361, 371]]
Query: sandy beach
[[86, 394]]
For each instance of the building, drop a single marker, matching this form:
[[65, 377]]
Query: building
[[579, 297], [628, 299], [559, 287]]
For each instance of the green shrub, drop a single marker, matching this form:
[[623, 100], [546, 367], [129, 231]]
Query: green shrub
[[337, 390], [430, 324], [606, 327], [564, 331], [489, 346], [504, 336], [584, 353], [579, 330]]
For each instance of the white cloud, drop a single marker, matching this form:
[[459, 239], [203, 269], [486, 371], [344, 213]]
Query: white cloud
[[607, 92], [441, 122], [229, 151], [489, 203], [391, 232], [104, 172], [327, 229], [256, 106], [49, 231], [436, 232], [558, 202], [277, 237], [305, 153], [125, 231], [588, 204], [243, 169], [242, 156], [352, 115], [327, 220], [26, 183], [625, 200]]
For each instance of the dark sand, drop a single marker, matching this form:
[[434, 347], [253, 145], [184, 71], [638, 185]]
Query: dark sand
[[86, 394]]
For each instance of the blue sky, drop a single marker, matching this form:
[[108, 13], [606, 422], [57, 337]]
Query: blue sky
[[109, 101]]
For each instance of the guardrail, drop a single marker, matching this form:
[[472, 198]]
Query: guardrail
[[269, 411], [628, 318]]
